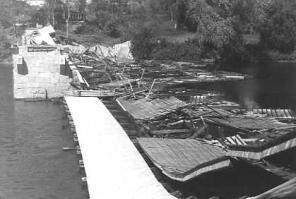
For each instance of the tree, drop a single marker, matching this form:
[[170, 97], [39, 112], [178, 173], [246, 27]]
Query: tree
[[213, 26], [280, 28], [12, 11]]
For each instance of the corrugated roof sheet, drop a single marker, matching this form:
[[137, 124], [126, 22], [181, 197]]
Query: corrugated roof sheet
[[250, 123], [146, 108], [183, 159]]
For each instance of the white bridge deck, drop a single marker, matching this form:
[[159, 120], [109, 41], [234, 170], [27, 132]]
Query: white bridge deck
[[114, 168]]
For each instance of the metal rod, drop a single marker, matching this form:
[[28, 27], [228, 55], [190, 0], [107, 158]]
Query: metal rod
[[139, 84]]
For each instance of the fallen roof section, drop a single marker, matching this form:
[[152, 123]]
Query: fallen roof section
[[184, 159], [264, 145], [147, 108], [114, 168], [280, 114], [248, 123]]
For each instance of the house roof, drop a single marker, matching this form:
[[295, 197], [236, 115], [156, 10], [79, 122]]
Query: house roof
[[183, 159], [146, 108]]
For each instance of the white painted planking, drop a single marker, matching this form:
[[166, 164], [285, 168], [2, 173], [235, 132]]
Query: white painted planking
[[114, 168]]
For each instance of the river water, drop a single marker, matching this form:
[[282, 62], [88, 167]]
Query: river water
[[32, 162], [273, 86]]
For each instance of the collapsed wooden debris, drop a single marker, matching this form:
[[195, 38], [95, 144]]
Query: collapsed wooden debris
[[119, 83], [183, 159], [264, 144], [146, 108], [279, 114], [244, 123], [247, 134], [93, 93], [203, 76]]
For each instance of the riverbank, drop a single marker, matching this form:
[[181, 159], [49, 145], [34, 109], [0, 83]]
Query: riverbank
[[281, 57], [6, 60]]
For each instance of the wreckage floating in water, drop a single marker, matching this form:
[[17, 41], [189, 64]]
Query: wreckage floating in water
[[92, 93], [205, 111], [248, 123], [263, 145], [119, 83], [281, 114], [145, 108], [206, 76], [286, 190], [183, 159]]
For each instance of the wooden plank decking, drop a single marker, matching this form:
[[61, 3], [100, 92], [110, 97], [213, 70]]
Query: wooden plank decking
[[114, 168]]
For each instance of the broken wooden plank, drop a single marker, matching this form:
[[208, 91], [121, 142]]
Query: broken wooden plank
[[169, 131], [286, 190]]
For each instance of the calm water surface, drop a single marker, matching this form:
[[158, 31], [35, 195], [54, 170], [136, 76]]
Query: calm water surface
[[32, 163], [274, 86]]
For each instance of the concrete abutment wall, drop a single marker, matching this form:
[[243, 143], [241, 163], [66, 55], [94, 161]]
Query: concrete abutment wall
[[40, 72]]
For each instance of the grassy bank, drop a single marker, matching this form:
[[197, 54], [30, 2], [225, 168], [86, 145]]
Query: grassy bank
[[281, 57]]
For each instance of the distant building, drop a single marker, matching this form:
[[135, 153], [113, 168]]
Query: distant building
[[38, 3]]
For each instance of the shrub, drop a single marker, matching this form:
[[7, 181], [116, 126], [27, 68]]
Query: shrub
[[142, 44], [112, 29], [188, 50]]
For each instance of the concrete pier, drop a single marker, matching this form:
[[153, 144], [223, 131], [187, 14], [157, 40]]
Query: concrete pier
[[40, 72], [113, 166]]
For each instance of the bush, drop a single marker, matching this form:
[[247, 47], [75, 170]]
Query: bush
[[112, 29], [146, 46], [189, 51], [86, 28], [142, 44]]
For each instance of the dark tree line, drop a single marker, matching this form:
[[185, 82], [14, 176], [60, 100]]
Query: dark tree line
[[224, 29]]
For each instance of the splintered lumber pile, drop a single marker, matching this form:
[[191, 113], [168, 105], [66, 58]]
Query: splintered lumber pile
[[286, 190]]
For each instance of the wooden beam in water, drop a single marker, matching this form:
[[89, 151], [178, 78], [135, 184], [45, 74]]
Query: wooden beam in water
[[280, 171], [286, 190], [170, 131]]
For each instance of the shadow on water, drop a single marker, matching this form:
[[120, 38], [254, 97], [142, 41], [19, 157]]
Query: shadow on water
[[33, 164]]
